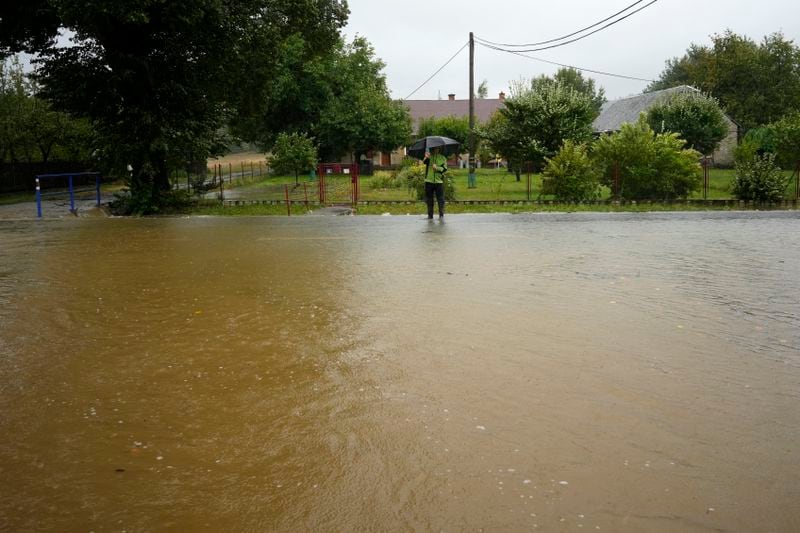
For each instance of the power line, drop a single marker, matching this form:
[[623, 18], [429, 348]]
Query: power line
[[488, 43], [568, 66], [569, 34], [437, 72]]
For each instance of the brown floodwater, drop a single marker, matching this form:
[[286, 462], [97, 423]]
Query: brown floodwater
[[583, 372]]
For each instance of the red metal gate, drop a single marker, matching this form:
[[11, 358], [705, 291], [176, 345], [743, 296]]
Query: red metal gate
[[338, 184]]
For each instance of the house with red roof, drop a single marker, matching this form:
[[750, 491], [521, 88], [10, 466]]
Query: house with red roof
[[452, 107]]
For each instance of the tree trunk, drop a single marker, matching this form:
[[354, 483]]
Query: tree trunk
[[45, 151], [161, 177]]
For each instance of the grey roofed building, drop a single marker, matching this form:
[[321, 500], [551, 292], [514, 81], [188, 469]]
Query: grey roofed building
[[626, 110]]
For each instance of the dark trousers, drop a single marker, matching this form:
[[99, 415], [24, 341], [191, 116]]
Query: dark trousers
[[430, 190]]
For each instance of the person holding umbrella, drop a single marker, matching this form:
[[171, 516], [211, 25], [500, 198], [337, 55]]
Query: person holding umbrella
[[434, 181]]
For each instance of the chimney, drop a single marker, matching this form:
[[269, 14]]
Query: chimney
[[502, 96], [451, 96]]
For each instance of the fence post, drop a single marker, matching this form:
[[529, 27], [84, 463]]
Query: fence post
[[71, 196], [38, 198], [230, 172], [705, 178], [97, 188], [797, 182], [321, 185], [354, 184], [252, 172], [528, 185], [288, 205], [305, 190]]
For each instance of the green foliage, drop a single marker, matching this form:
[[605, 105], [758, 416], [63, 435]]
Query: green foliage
[[483, 89], [571, 175], [536, 120], [697, 118], [410, 170], [408, 162], [293, 153], [26, 26], [786, 139], [569, 77], [383, 179], [456, 128], [757, 141], [759, 179], [651, 166], [173, 201], [30, 130], [485, 154], [158, 79], [360, 115], [756, 83], [746, 150], [414, 176]]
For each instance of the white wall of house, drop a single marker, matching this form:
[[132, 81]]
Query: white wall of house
[[723, 155]]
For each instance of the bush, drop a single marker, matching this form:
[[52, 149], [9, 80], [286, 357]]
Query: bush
[[759, 179], [408, 162], [293, 153], [571, 175], [385, 180], [174, 201], [414, 177], [757, 141], [651, 166]]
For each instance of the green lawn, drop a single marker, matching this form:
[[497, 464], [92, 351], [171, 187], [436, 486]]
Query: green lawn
[[492, 185], [502, 185]]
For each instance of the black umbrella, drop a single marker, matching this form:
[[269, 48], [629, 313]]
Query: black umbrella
[[446, 145]]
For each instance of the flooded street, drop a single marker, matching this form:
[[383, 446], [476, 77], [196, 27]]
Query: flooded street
[[573, 372]]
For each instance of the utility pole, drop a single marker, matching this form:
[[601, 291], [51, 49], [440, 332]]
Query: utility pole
[[471, 178]]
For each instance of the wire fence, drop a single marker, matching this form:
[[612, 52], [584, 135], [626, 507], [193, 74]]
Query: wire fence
[[494, 186]]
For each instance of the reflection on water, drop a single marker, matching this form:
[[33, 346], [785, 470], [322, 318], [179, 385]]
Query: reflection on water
[[553, 372]]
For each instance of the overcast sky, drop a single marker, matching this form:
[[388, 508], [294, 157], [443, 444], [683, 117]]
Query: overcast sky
[[416, 37]]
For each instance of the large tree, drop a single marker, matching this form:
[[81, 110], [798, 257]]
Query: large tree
[[340, 97], [360, 115], [756, 83], [536, 120], [159, 78]]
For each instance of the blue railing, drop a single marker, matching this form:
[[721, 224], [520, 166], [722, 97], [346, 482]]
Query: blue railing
[[72, 191]]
